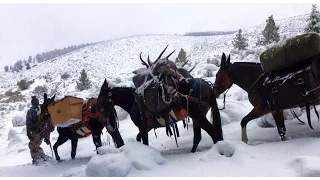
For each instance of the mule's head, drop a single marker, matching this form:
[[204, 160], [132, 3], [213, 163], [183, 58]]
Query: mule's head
[[223, 77], [105, 103], [44, 107]]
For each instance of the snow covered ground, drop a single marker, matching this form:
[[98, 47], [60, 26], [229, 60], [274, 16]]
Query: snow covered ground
[[264, 155]]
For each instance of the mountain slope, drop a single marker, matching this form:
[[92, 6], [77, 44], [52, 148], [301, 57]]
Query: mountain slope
[[116, 59]]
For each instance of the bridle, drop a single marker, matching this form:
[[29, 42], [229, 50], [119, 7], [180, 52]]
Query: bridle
[[226, 77], [108, 113]]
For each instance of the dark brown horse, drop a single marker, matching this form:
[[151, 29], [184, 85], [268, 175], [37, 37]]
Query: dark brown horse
[[246, 75]]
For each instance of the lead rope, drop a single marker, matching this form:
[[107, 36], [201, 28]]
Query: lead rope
[[116, 123], [224, 100]]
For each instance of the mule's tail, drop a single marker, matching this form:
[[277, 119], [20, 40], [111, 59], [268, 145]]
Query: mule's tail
[[215, 118]]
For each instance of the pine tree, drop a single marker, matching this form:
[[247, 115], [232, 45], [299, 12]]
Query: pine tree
[[182, 57], [6, 68], [28, 66], [18, 66], [270, 32], [84, 82], [313, 21], [240, 42], [29, 59]]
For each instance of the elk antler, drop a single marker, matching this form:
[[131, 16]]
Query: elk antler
[[193, 68], [143, 62], [161, 54], [149, 62], [170, 54], [185, 63]]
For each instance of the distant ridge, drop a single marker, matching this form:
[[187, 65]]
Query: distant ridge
[[209, 33]]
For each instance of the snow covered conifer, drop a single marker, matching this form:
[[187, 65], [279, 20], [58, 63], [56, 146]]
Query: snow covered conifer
[[182, 57], [313, 21], [240, 42], [270, 32], [84, 82]]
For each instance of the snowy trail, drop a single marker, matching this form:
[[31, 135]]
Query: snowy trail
[[265, 155]]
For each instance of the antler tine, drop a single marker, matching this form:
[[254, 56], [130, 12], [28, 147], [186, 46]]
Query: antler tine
[[193, 68], [170, 54], [149, 62], [143, 62], [185, 63], [162, 52]]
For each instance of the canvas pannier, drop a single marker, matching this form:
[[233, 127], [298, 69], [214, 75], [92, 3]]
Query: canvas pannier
[[66, 111], [285, 90], [290, 52]]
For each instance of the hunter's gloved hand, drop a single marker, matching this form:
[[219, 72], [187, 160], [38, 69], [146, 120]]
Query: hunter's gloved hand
[[47, 141]]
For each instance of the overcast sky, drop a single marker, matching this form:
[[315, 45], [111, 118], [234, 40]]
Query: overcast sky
[[27, 29]]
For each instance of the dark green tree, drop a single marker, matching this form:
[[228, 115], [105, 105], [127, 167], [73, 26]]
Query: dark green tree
[[240, 42], [83, 82], [182, 57], [313, 21], [270, 32]]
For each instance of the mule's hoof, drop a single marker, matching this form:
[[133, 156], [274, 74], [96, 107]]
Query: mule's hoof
[[73, 155], [245, 141], [58, 158], [284, 138], [193, 150]]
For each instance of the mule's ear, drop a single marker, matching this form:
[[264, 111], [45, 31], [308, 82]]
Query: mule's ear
[[45, 97], [105, 84], [53, 97], [228, 60], [223, 60]]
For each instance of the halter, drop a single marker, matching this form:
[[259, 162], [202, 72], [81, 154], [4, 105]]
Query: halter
[[108, 126], [226, 91]]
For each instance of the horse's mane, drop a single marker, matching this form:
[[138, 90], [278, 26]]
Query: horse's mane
[[124, 87], [241, 65], [248, 63]]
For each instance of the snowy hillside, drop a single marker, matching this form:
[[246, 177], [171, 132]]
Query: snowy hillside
[[115, 60]]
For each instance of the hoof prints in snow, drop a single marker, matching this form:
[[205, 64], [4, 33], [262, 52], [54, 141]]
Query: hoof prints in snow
[[306, 166], [226, 148]]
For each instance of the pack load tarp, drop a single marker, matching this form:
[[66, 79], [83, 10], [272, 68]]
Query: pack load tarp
[[290, 52]]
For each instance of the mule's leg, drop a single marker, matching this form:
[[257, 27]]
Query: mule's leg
[[278, 117], [117, 139], [145, 138], [137, 120], [203, 123], [139, 136], [255, 113], [216, 119], [196, 136], [74, 144], [59, 142], [96, 129]]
